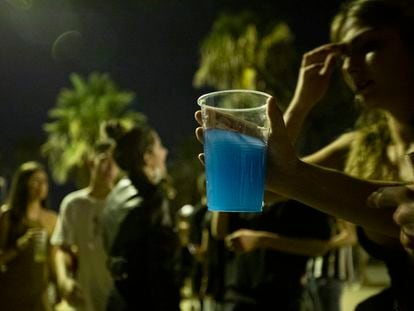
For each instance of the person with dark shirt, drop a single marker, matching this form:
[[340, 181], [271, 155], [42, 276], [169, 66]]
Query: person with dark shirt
[[137, 223], [268, 254]]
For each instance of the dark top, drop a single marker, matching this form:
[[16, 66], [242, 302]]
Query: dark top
[[263, 277], [143, 254], [401, 271], [208, 276]]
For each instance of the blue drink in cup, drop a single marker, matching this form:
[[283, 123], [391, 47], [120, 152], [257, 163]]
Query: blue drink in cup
[[235, 144]]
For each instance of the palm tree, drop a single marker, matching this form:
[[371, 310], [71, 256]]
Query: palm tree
[[77, 119], [242, 51], [247, 51]]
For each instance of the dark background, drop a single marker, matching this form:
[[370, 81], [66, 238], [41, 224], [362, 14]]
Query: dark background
[[149, 47]]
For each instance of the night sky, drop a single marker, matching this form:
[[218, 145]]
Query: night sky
[[149, 47]]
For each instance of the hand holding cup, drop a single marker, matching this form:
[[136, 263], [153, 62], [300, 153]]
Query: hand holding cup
[[235, 131]]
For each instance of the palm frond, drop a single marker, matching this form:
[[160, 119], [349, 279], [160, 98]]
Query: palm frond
[[75, 121]]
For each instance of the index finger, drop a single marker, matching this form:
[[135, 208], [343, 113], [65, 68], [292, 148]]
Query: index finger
[[198, 117], [199, 132]]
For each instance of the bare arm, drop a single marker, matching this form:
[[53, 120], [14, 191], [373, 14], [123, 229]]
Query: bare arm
[[245, 240], [331, 156], [68, 287], [61, 264], [313, 81], [220, 225], [327, 190]]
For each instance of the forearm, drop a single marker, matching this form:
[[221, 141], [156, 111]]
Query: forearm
[[297, 246], [51, 261], [273, 198], [61, 267], [219, 225], [334, 193], [294, 116]]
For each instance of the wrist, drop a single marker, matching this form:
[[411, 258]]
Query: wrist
[[300, 104], [266, 241], [286, 178]]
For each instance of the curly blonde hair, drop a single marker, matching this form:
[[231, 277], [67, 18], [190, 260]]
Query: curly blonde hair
[[367, 157]]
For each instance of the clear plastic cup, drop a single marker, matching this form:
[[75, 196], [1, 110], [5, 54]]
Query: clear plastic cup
[[236, 130]]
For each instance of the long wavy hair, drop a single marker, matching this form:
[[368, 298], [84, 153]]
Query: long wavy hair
[[367, 157], [18, 197], [368, 154]]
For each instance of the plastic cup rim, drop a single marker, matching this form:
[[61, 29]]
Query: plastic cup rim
[[268, 96]]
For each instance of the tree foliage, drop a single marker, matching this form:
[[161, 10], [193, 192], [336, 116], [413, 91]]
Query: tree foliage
[[247, 51], [243, 52], [77, 117]]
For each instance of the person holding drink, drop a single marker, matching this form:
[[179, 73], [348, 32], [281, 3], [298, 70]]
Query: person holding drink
[[25, 225], [373, 41], [236, 159]]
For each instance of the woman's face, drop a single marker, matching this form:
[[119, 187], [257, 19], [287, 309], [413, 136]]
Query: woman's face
[[38, 185], [377, 66]]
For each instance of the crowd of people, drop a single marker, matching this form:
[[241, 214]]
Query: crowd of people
[[118, 245]]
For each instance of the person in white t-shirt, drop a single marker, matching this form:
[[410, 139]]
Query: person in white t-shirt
[[80, 261]]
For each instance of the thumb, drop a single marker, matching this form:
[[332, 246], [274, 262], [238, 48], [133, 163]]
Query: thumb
[[278, 132], [275, 116]]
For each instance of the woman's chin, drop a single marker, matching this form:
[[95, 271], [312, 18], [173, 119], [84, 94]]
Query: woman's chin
[[367, 101]]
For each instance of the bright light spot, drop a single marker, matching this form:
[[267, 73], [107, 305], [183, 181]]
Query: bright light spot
[[186, 210]]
